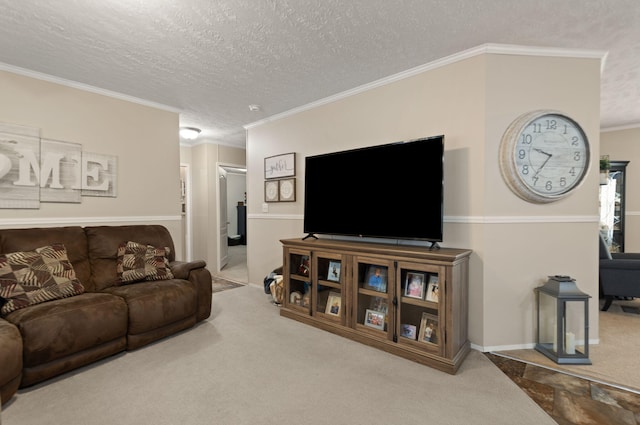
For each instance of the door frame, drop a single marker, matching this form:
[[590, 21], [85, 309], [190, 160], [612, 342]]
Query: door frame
[[219, 205]]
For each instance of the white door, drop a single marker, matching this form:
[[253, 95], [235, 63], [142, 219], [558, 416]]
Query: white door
[[223, 222]]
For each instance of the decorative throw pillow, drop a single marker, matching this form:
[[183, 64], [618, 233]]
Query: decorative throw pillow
[[33, 277], [138, 262]]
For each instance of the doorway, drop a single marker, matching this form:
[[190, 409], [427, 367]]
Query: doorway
[[233, 223]]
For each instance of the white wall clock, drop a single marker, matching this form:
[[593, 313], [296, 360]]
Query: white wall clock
[[271, 191], [544, 156]]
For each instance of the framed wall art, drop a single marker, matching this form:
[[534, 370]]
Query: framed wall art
[[278, 166], [287, 190], [271, 191]]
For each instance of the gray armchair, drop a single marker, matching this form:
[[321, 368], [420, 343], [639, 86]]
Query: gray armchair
[[619, 275]]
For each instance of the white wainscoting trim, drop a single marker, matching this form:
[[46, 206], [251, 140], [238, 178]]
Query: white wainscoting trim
[[632, 213], [31, 222], [468, 219]]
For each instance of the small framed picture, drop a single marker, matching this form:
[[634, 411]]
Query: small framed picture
[[374, 319], [432, 289], [271, 191], [414, 285], [379, 304], [428, 329], [334, 303], [333, 273], [376, 278], [287, 190], [408, 331]]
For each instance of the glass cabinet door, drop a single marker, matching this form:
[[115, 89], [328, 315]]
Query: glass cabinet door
[[420, 292], [298, 289], [374, 278], [329, 298]]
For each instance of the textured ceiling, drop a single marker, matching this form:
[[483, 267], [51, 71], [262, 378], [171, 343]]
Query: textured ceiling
[[211, 59]]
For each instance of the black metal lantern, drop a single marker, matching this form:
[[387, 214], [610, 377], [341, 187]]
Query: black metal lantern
[[563, 321]]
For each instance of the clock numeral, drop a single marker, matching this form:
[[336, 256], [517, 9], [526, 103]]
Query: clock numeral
[[566, 130], [537, 127], [526, 139], [572, 171], [577, 156], [574, 140], [525, 169], [522, 154], [563, 181], [552, 124], [548, 185], [535, 180]]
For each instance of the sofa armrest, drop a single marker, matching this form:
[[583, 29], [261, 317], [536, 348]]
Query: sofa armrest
[[196, 272], [181, 269]]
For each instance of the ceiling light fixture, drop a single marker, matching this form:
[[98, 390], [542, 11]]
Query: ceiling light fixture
[[189, 133], [254, 108]]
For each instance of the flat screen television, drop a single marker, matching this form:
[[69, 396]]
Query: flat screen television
[[392, 191]]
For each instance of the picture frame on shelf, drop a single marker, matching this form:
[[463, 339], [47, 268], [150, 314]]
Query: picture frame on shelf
[[379, 304], [374, 319], [376, 278], [333, 273], [277, 166], [415, 284], [429, 329], [287, 190], [433, 288], [408, 331], [271, 191], [334, 304]]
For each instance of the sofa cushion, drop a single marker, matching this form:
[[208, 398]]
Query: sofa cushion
[[33, 277], [155, 304], [103, 248], [62, 328], [72, 237], [138, 262]]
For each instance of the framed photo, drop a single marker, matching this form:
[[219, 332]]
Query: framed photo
[[333, 273], [287, 190], [271, 191], [379, 304], [376, 278], [408, 331], [432, 289], [374, 319], [280, 166], [414, 285], [334, 303], [429, 329]]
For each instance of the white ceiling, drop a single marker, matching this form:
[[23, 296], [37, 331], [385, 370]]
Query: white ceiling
[[211, 59]]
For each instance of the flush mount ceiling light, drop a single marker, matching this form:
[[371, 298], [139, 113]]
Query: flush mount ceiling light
[[189, 133], [254, 108]]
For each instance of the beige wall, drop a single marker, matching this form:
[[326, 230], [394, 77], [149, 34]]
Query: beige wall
[[624, 145], [144, 139], [203, 160], [471, 101]]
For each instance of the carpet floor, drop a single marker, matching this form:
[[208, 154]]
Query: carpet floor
[[248, 365]]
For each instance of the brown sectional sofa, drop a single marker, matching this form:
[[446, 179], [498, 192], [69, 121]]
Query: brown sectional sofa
[[47, 339]]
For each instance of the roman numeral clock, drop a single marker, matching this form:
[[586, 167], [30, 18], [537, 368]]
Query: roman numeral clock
[[544, 156]]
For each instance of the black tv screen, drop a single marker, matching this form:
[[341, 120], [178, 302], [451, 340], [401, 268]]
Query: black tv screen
[[387, 191]]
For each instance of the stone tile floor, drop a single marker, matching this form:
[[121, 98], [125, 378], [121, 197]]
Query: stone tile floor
[[570, 400]]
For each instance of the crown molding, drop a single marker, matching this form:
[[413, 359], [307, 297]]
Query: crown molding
[[489, 48], [85, 87]]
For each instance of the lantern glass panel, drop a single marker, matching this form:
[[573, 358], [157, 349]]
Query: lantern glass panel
[[574, 326], [547, 325]]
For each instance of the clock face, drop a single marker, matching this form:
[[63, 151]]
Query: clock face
[[544, 155]]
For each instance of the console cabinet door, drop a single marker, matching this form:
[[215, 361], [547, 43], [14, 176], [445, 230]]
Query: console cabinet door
[[374, 282], [420, 294], [329, 299], [297, 276]]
